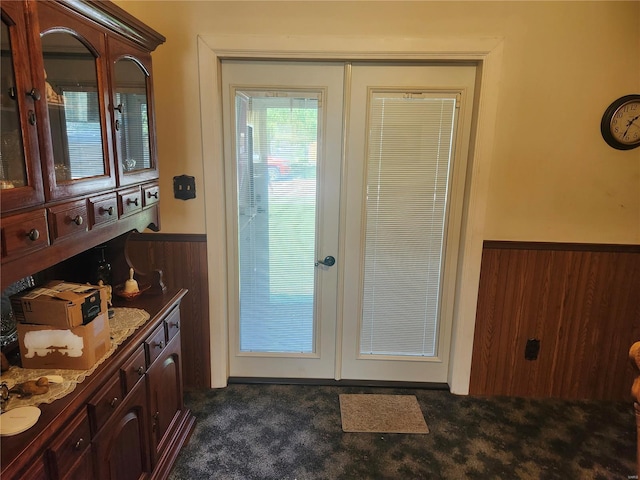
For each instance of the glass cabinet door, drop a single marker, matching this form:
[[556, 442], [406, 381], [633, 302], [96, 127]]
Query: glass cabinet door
[[132, 119], [71, 87], [132, 112], [73, 76], [20, 176]]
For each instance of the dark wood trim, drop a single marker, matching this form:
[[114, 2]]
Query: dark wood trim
[[169, 237], [337, 383], [574, 247], [119, 21]]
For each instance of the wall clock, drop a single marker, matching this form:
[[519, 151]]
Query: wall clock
[[620, 124]]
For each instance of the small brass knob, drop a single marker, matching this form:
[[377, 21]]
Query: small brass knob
[[33, 234], [34, 93], [78, 220], [108, 211]]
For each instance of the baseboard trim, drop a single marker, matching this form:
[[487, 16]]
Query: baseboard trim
[[324, 382]]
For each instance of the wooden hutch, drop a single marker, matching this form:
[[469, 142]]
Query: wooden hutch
[[78, 169]]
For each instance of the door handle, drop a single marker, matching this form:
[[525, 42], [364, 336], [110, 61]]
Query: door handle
[[328, 261]]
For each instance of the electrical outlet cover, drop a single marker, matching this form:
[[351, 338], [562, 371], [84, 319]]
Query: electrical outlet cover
[[184, 187]]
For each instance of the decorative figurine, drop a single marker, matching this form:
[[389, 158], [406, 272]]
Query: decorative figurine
[[131, 286]]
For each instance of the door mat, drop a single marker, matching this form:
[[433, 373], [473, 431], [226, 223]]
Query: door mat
[[381, 414]]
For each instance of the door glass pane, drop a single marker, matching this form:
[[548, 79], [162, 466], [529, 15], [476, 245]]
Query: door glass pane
[[276, 138], [409, 151], [132, 116], [12, 162], [74, 109]]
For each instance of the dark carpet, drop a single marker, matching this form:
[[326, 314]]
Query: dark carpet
[[291, 432]]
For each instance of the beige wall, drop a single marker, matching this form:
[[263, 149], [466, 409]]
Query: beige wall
[[553, 178]]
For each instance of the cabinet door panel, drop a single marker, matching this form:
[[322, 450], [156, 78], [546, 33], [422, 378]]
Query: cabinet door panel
[[20, 175], [165, 387], [73, 78], [132, 107], [122, 446]]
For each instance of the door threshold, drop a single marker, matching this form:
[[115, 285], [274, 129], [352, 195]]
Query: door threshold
[[324, 382]]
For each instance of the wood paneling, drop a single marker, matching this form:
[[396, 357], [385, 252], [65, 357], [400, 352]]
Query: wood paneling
[[581, 301], [183, 261]]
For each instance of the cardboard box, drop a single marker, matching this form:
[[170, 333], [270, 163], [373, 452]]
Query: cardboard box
[[79, 348], [60, 304]]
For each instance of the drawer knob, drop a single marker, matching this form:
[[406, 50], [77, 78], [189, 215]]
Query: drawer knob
[[152, 194], [140, 370], [78, 220], [174, 324], [34, 93], [114, 401], [134, 201], [33, 234], [108, 211], [79, 444], [159, 344]]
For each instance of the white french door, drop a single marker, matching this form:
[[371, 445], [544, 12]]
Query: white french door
[[283, 148], [408, 136], [343, 267]]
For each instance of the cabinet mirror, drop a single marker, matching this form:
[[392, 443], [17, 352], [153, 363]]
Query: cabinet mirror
[[71, 84], [132, 118]]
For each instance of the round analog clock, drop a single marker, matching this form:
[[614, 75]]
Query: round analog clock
[[620, 124]]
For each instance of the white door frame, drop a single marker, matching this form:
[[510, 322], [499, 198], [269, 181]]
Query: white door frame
[[486, 52]]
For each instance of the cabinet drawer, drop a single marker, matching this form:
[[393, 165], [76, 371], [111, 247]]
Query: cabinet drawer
[[172, 324], [70, 445], [155, 343], [24, 233], [104, 403], [150, 195], [103, 209], [130, 201], [134, 369], [68, 219]]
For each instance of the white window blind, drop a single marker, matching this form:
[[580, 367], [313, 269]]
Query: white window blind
[[409, 154]]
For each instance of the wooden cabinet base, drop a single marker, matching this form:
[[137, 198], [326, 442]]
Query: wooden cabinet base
[[108, 423]]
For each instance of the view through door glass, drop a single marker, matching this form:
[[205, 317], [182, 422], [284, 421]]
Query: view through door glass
[[277, 137]]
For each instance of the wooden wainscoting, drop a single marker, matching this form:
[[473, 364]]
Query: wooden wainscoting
[[183, 261], [581, 301]]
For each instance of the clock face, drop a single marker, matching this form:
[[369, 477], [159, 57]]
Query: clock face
[[621, 123]]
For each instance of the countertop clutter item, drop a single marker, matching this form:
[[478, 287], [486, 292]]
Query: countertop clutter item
[[31, 387], [78, 348], [18, 420], [60, 304], [119, 290], [131, 285]]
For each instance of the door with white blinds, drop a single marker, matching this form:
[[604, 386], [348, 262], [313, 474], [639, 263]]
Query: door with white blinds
[[407, 148], [283, 154]]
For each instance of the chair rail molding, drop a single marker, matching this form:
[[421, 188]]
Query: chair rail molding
[[485, 52]]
